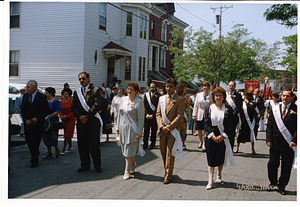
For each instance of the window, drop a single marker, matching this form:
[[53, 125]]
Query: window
[[162, 58], [142, 68], [129, 24], [13, 63], [14, 14], [152, 28], [143, 26], [164, 33], [128, 68], [102, 16]]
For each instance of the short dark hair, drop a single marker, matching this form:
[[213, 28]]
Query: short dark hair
[[86, 74], [218, 90], [103, 84], [153, 83], [195, 90], [66, 84], [69, 91], [121, 88], [50, 90], [205, 83], [292, 94], [114, 88], [134, 85], [249, 96], [172, 80], [233, 82], [276, 95]]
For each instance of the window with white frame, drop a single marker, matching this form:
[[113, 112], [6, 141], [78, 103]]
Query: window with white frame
[[13, 63], [163, 53], [152, 28], [142, 68], [164, 32], [128, 68], [143, 26], [102, 16], [129, 24], [14, 15]]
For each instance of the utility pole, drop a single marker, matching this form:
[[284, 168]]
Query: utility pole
[[220, 34]]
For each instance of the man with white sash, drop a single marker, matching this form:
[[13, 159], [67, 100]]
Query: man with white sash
[[234, 99], [150, 104], [282, 140], [85, 106], [169, 116]]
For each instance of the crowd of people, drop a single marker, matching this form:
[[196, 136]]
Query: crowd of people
[[219, 117]]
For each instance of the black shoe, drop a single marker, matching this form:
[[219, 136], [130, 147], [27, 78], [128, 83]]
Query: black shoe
[[152, 147], [57, 155], [33, 165], [98, 169], [83, 169], [282, 191], [48, 157], [144, 147]]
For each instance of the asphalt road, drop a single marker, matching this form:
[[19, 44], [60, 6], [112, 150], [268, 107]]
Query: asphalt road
[[58, 178]]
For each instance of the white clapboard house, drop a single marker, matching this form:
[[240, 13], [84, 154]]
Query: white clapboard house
[[52, 42]]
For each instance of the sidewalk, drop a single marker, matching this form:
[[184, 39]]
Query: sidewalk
[[59, 179]]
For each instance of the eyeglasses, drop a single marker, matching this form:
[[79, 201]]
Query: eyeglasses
[[81, 78]]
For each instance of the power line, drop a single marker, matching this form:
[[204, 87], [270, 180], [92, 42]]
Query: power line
[[193, 14]]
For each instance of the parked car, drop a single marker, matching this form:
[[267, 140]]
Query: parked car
[[14, 90]]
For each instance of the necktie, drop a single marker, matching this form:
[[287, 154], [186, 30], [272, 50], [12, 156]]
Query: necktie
[[83, 90], [205, 97], [30, 98], [284, 111]]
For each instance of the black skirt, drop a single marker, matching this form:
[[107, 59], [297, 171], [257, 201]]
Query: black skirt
[[215, 152]]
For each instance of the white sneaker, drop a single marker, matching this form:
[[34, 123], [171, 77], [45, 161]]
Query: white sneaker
[[209, 186]]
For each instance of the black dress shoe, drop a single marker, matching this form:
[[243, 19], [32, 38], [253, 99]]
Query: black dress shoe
[[282, 191], [83, 169], [98, 169], [33, 165], [48, 157], [152, 147]]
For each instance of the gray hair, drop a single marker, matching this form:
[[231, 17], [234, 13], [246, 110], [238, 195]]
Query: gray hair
[[33, 83]]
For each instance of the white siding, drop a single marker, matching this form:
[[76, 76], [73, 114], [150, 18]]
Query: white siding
[[50, 41]]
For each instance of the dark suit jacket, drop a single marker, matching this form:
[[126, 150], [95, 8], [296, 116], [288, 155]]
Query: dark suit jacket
[[154, 101], [93, 101], [237, 98], [260, 105], [227, 122], [273, 133], [39, 108]]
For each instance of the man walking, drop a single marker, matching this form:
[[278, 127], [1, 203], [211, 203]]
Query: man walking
[[150, 103], [18, 104], [234, 99], [259, 100], [85, 106], [34, 109], [282, 140], [169, 116]]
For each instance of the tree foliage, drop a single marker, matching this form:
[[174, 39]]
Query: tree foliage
[[290, 59], [284, 14], [234, 57]]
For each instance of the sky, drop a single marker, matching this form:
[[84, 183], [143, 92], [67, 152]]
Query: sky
[[248, 13]]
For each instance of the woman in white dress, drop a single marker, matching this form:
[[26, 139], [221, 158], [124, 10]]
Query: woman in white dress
[[116, 103], [130, 123]]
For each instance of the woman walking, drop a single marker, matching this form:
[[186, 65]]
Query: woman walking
[[68, 119], [218, 119], [130, 122], [191, 123]]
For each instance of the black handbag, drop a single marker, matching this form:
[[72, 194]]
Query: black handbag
[[58, 125]]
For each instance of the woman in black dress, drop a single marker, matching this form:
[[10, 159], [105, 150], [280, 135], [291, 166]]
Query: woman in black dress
[[248, 115], [218, 119], [105, 115]]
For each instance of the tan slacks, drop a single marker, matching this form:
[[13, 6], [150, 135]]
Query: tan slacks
[[166, 144]]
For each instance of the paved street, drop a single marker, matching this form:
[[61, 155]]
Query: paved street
[[59, 179]]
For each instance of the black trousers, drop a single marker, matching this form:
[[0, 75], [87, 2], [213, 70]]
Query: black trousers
[[231, 136], [287, 157], [89, 144], [33, 137], [150, 123]]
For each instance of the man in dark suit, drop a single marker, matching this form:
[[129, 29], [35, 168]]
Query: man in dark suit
[[150, 112], [259, 100], [85, 106], [113, 93], [34, 109], [234, 99], [280, 143]]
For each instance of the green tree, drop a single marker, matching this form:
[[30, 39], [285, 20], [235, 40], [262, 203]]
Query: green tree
[[290, 60], [234, 57], [284, 14]]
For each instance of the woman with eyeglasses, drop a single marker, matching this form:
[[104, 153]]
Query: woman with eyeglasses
[[130, 123]]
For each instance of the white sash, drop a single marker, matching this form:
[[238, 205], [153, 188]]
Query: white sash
[[177, 145], [149, 101], [132, 124], [251, 125], [284, 131], [230, 101], [217, 118], [87, 108]]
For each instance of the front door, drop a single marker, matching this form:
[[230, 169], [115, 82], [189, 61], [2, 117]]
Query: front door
[[110, 69]]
